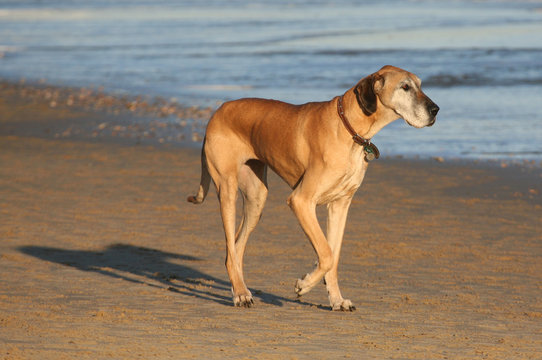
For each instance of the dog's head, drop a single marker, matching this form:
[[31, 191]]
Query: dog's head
[[398, 90]]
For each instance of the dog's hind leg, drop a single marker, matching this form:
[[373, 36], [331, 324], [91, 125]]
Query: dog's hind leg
[[253, 184], [224, 169]]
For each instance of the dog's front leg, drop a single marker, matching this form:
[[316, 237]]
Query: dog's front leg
[[336, 221], [304, 208]]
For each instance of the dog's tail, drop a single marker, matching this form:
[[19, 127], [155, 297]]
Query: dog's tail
[[204, 182]]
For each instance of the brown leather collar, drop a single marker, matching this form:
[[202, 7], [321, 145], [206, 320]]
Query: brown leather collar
[[358, 139], [370, 150]]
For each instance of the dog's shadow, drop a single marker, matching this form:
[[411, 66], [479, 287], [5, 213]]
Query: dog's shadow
[[153, 268]]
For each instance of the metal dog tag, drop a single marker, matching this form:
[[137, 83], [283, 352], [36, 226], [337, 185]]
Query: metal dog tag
[[371, 152], [369, 156]]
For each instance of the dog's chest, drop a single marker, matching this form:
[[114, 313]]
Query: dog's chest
[[354, 175], [348, 178]]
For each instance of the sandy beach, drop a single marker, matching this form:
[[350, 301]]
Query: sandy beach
[[101, 257]]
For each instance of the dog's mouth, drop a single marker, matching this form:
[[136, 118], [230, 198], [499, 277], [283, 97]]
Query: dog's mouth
[[432, 111], [429, 123]]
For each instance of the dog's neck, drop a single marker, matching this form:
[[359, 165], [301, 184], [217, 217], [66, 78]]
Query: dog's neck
[[367, 126], [358, 139]]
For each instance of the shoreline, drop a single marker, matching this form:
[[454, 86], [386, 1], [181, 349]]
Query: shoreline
[[95, 115], [102, 257], [141, 120]]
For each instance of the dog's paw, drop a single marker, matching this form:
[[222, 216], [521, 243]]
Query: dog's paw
[[244, 300], [301, 287], [343, 305]]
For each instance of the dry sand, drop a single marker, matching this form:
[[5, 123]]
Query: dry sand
[[101, 257]]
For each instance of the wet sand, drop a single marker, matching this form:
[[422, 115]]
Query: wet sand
[[102, 257]]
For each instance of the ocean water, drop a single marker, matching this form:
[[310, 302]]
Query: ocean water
[[480, 61]]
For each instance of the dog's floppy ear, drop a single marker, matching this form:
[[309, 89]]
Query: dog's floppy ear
[[365, 94]]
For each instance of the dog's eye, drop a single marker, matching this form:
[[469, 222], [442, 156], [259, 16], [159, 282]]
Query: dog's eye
[[405, 87]]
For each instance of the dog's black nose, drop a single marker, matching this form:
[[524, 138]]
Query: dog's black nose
[[433, 110]]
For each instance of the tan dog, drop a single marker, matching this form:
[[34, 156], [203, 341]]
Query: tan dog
[[311, 148]]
